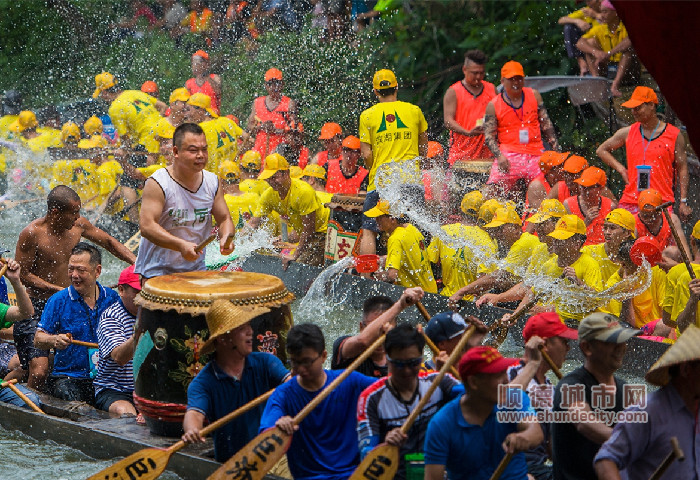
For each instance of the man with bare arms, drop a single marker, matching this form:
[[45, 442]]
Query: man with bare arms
[[43, 250]]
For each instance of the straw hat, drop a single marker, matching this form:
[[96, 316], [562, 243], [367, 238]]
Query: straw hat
[[223, 316], [686, 349]]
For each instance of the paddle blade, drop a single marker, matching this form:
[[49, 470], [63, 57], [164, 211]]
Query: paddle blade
[[256, 458], [146, 464], [379, 464]]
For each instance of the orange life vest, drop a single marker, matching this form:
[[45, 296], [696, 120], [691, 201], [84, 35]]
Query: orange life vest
[[470, 108], [323, 158], [594, 230], [664, 237], [278, 117], [338, 183], [199, 24], [512, 120], [207, 89]]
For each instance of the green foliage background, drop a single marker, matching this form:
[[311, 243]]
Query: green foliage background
[[51, 50]]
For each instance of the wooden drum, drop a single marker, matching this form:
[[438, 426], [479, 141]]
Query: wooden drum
[[343, 226], [173, 309]]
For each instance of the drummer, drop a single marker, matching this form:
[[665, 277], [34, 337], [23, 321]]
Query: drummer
[[235, 376], [177, 206]]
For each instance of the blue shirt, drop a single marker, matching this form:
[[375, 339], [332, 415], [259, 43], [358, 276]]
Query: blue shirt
[[3, 292], [67, 312], [325, 446], [472, 451], [214, 394], [640, 448]]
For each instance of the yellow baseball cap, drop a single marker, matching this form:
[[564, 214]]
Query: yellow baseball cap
[[488, 209], [503, 216], [92, 125], [70, 130], [274, 163], [25, 120], [202, 101], [295, 171], [472, 201], [622, 218], [567, 227], [549, 208], [384, 79], [316, 171], [180, 95], [251, 160], [696, 231], [381, 208], [163, 129], [103, 81], [228, 170]]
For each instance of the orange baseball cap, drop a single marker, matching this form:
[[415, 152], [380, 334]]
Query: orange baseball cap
[[641, 95], [234, 119], [551, 159], [330, 130], [273, 74], [351, 142], [592, 176], [512, 69], [575, 164], [649, 197], [201, 53], [149, 86], [434, 149]]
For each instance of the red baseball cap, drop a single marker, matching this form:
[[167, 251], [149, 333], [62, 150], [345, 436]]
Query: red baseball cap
[[483, 360], [128, 277], [546, 325]]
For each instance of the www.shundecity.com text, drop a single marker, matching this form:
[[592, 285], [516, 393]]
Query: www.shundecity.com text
[[573, 416]]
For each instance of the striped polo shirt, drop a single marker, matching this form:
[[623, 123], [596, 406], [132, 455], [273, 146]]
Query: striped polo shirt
[[116, 326]]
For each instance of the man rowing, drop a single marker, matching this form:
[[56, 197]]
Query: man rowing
[[177, 208], [43, 250]]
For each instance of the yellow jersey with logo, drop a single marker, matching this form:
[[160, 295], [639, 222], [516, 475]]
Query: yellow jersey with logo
[[540, 256], [253, 185], [518, 258], [682, 294], [586, 269], [406, 253], [133, 114], [80, 175], [222, 141], [460, 266], [95, 141], [647, 305], [392, 129], [670, 289], [301, 200], [242, 207], [607, 267]]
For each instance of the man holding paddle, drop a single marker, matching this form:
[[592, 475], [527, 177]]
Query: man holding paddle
[[235, 376], [177, 207], [324, 444]]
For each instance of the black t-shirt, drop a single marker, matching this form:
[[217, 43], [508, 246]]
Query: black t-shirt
[[368, 367], [572, 452]]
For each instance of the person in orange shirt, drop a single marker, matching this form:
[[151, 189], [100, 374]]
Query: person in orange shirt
[[589, 205], [654, 148], [332, 138], [292, 148], [464, 107], [346, 176], [652, 222], [199, 20], [272, 115], [515, 124], [203, 81]]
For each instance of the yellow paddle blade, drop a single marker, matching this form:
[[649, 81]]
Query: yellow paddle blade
[[255, 459], [379, 464], [146, 464]]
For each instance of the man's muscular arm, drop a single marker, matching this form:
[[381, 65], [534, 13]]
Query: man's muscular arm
[[546, 125], [106, 241], [25, 255], [490, 131]]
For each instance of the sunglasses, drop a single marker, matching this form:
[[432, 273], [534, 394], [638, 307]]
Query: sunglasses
[[410, 363]]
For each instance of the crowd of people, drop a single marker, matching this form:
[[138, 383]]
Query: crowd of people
[[181, 168]]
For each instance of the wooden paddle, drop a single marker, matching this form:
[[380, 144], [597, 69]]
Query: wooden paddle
[[7, 204], [264, 451], [502, 466], [18, 392], [81, 343], [149, 463], [676, 454], [133, 243], [686, 259], [502, 331], [550, 362], [382, 461], [424, 311]]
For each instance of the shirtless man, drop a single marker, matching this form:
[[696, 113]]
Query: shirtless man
[[43, 250]]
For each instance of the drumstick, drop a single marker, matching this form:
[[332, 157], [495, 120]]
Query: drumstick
[[229, 240], [203, 245], [81, 343]]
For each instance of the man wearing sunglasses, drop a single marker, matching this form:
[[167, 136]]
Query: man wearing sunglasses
[[386, 404]]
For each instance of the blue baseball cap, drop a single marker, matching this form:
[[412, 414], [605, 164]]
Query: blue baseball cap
[[445, 326]]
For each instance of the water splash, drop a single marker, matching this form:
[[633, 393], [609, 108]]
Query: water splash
[[314, 307]]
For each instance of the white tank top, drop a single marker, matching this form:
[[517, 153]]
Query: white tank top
[[186, 215]]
